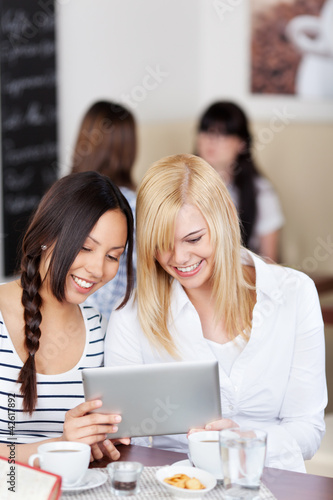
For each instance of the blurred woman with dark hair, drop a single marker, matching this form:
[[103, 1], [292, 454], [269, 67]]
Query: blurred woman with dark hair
[[225, 142], [72, 248], [107, 144]]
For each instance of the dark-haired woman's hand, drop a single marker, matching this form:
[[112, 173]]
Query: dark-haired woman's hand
[[91, 428], [107, 448]]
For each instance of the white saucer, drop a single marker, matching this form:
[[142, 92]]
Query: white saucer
[[92, 479], [187, 463]]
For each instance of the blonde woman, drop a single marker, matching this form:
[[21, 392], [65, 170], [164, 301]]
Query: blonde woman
[[200, 296]]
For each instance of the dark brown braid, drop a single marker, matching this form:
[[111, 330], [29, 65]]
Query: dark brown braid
[[32, 301]]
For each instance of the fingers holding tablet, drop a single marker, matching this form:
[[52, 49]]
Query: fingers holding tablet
[[82, 425]]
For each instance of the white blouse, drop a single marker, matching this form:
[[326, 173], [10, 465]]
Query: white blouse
[[277, 382], [227, 353]]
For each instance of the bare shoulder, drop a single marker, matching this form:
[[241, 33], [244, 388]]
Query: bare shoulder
[[10, 297], [12, 310]]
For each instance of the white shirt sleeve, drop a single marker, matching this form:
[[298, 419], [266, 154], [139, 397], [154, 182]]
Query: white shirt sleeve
[[269, 213], [301, 428], [122, 341]]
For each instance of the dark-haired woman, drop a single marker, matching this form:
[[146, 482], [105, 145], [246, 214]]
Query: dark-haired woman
[[225, 142], [106, 143], [47, 336]]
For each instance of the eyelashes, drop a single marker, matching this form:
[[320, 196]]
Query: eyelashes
[[195, 240], [109, 257]]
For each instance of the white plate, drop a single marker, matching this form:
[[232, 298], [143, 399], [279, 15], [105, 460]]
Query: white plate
[[92, 479], [187, 463]]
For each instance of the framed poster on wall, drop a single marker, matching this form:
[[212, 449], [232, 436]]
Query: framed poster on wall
[[292, 48]]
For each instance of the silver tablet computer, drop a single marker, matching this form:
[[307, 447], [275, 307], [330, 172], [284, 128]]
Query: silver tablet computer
[[155, 399]]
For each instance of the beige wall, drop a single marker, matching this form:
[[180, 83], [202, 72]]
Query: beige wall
[[299, 161]]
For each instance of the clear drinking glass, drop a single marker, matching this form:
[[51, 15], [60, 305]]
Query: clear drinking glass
[[243, 453], [125, 477]]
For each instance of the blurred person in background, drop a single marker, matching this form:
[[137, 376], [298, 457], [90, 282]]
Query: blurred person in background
[[224, 141], [107, 143]]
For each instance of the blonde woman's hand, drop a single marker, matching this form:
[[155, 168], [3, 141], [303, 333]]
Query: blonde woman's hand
[[217, 425]]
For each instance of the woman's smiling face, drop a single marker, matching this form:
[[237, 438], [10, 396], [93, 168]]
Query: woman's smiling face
[[98, 260], [191, 261]]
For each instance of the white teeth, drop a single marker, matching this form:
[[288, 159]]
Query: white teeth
[[189, 268], [82, 283]]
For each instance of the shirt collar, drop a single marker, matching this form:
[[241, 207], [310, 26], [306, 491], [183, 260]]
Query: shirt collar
[[179, 299], [266, 281]]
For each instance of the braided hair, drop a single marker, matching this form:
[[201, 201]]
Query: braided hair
[[63, 220]]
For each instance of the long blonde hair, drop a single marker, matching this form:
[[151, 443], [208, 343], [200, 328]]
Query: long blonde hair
[[167, 185]]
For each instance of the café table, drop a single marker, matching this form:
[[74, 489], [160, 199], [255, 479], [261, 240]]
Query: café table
[[285, 485]]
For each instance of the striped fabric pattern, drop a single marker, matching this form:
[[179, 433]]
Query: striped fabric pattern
[[56, 393]]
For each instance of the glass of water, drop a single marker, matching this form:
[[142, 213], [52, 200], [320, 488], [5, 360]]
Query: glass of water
[[243, 456]]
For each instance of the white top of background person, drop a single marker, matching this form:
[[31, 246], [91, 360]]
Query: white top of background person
[[225, 142], [72, 247], [107, 143], [200, 295]]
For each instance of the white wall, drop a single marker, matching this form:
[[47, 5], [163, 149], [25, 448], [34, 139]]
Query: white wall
[[112, 49]]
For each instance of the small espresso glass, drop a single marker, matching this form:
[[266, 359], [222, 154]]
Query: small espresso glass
[[243, 456], [125, 477]]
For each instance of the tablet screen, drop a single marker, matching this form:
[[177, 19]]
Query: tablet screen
[[156, 399]]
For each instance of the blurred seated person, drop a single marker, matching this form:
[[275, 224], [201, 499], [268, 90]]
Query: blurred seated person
[[224, 141], [107, 143]]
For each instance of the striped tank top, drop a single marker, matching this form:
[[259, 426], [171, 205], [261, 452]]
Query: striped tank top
[[56, 393]]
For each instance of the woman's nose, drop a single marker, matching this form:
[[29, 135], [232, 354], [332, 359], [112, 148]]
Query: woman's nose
[[180, 255], [95, 267]]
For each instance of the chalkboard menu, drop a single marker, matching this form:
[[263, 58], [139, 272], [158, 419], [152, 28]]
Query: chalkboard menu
[[28, 115]]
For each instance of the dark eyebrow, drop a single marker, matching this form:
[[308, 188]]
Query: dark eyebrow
[[98, 243]]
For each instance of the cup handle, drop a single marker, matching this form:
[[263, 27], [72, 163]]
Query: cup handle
[[32, 459], [298, 30]]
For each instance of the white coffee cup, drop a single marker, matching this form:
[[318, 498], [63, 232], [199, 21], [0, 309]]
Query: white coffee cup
[[68, 459], [204, 451]]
